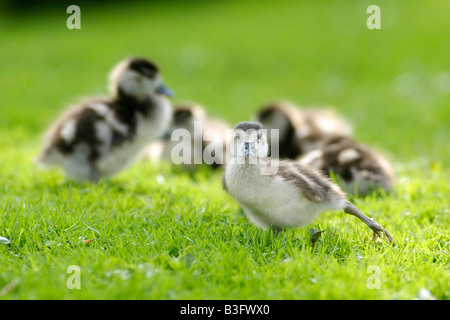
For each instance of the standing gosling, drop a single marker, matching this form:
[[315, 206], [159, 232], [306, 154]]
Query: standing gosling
[[292, 197], [359, 168], [101, 136]]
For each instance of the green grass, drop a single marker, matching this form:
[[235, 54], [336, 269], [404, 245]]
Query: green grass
[[164, 234]]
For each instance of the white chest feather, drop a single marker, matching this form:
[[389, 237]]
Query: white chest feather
[[269, 200]]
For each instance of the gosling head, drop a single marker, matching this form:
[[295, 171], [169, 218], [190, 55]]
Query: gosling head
[[249, 141], [185, 115], [137, 78], [284, 117], [278, 115]]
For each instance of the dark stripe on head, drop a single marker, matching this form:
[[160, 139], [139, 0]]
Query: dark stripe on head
[[181, 114], [144, 67], [246, 125], [267, 113]]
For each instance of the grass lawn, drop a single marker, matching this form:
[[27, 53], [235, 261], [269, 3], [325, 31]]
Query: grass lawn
[[161, 233]]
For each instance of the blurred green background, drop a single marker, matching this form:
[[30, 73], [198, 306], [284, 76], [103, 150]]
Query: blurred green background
[[232, 56]]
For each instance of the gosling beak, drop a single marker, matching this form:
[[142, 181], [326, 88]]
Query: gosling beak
[[162, 89], [249, 149], [246, 149]]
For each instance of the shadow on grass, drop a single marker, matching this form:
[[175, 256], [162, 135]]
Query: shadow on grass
[[265, 245]]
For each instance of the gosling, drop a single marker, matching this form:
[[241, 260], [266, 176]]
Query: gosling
[[101, 136], [300, 130], [208, 138], [292, 197], [359, 169]]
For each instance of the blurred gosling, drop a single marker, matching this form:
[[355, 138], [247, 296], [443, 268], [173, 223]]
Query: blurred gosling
[[291, 197], [212, 135], [359, 168], [101, 136], [301, 130]]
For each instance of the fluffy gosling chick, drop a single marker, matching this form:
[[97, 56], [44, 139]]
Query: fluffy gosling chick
[[206, 134], [360, 169], [101, 136], [292, 197], [301, 130]]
